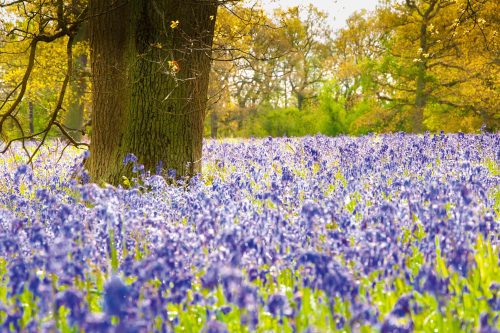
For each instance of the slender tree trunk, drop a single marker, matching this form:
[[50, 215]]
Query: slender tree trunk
[[286, 95], [150, 80], [420, 84], [300, 100], [214, 126], [75, 115], [31, 117], [420, 101], [74, 118]]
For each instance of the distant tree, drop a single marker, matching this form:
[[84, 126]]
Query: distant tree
[[349, 96], [440, 58], [245, 53], [306, 37], [276, 60]]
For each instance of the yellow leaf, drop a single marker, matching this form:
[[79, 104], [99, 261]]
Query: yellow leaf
[[174, 66], [174, 24]]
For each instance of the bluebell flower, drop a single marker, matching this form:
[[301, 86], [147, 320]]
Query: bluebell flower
[[363, 313], [287, 175], [402, 306], [172, 173], [393, 325], [214, 326], [129, 158], [276, 304], [18, 276], [115, 296], [97, 322], [460, 259], [131, 326], [486, 326], [225, 309], [428, 281], [466, 195], [159, 168], [247, 297], [72, 300], [21, 170]]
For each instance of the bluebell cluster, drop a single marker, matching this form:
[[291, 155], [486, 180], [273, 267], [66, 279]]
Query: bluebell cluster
[[376, 230]]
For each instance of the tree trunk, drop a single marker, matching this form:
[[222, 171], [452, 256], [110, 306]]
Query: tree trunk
[[74, 118], [150, 84], [214, 126], [300, 100], [31, 117], [420, 84], [420, 101]]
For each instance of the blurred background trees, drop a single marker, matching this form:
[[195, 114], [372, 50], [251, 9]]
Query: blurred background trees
[[410, 65], [407, 66], [35, 83]]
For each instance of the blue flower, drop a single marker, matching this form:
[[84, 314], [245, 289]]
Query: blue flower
[[486, 326], [393, 325], [115, 296], [129, 158], [72, 300], [276, 304], [214, 326], [402, 306]]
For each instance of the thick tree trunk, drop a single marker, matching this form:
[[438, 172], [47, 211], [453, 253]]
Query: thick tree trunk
[[150, 84]]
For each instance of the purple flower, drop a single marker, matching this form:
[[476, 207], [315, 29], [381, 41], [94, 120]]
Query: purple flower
[[466, 195], [214, 326], [129, 158], [486, 326], [327, 214], [72, 300], [115, 296], [393, 325], [402, 306], [21, 170], [276, 304]]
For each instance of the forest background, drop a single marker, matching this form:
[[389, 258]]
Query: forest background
[[405, 66]]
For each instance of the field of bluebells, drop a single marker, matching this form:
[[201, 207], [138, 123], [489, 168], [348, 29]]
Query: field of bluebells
[[382, 233]]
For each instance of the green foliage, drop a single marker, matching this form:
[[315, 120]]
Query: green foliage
[[370, 75], [355, 116], [289, 122]]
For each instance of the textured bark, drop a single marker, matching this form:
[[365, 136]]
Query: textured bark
[[150, 84]]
